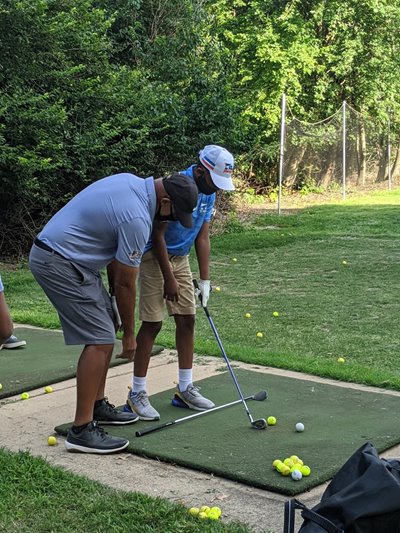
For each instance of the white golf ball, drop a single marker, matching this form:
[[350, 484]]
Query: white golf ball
[[299, 427], [296, 475]]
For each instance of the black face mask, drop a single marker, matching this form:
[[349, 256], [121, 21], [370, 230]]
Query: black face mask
[[203, 186], [165, 218]]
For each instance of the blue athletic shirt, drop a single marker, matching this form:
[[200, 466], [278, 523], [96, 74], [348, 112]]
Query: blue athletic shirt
[[178, 239], [1, 285], [111, 218]]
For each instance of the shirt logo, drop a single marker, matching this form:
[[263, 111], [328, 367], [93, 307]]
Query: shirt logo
[[135, 255]]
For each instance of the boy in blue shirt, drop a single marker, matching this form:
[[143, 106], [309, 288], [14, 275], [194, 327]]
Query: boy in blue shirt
[[165, 280]]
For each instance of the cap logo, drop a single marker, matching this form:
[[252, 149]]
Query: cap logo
[[228, 168]]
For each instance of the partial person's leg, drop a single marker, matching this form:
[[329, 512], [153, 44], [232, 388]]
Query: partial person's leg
[[6, 325]]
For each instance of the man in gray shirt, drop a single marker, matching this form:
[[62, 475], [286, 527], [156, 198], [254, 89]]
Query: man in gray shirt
[[106, 225]]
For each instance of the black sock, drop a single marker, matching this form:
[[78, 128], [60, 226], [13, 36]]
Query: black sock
[[78, 429]]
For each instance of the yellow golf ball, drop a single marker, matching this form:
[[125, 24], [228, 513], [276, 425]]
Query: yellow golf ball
[[344, 262], [276, 463], [194, 511], [51, 441], [234, 259], [247, 315], [294, 458], [202, 515], [271, 421], [260, 335], [288, 462], [24, 396], [275, 313], [217, 289], [285, 470], [340, 360], [204, 509], [305, 470], [48, 389], [1, 386], [215, 510]]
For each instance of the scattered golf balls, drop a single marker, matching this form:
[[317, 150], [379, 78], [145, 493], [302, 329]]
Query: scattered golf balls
[[217, 289], [296, 475], [48, 389], [194, 511], [234, 259], [275, 313], [271, 421], [51, 441], [340, 360], [24, 396], [305, 470], [260, 335], [247, 315], [299, 427]]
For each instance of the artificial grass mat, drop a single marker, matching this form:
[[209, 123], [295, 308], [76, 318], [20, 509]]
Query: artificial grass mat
[[337, 422], [44, 360]]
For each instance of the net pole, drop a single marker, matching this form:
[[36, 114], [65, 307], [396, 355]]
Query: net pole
[[389, 154], [344, 151], [281, 150]]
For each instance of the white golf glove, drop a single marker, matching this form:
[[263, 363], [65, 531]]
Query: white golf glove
[[204, 291]]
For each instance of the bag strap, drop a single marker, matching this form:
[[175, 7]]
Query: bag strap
[[307, 514]]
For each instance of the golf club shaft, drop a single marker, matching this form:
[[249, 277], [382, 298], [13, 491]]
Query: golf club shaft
[[224, 355], [173, 422]]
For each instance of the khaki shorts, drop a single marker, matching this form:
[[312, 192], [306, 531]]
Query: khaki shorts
[[152, 304]]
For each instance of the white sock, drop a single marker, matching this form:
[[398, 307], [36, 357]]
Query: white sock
[[139, 384], [185, 378]]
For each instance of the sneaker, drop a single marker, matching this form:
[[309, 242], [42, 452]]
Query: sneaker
[[193, 399], [13, 342], [107, 413], [93, 439], [138, 402]]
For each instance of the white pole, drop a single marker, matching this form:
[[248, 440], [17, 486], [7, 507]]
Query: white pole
[[389, 153], [282, 150], [344, 151]]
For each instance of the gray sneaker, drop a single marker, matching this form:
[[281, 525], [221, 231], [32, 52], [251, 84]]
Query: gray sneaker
[[13, 342], [107, 413], [138, 403], [93, 439], [193, 399]]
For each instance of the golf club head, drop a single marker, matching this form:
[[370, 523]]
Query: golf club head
[[259, 424], [260, 396]]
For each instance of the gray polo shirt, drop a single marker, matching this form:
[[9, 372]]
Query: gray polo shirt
[[111, 218]]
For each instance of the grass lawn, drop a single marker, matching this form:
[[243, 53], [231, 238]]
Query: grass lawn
[[331, 272]]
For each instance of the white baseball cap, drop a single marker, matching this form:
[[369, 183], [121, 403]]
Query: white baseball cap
[[220, 163]]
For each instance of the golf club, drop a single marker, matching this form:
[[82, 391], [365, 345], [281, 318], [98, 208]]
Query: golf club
[[261, 423], [259, 397]]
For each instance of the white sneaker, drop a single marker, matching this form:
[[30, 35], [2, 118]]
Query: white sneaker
[[138, 402], [193, 399], [13, 342]]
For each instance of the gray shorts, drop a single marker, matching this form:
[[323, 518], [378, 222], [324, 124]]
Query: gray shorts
[[78, 295]]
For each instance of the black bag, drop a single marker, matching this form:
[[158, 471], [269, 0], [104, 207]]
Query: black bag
[[363, 497]]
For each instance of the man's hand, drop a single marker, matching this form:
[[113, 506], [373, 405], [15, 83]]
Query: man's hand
[[128, 348], [203, 291], [171, 289]]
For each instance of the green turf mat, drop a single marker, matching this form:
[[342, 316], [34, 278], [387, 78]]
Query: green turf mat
[[337, 422], [44, 360]]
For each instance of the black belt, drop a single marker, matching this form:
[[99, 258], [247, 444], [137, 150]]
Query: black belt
[[44, 246]]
